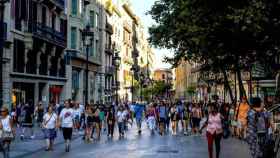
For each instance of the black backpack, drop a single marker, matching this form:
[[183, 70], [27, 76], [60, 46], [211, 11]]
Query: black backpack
[[265, 141]]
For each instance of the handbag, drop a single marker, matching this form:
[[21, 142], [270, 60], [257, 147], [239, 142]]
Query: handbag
[[7, 135]]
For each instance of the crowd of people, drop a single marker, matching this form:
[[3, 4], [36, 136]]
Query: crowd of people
[[249, 122]]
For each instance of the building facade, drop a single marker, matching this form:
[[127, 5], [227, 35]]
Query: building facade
[[45, 54], [34, 68], [82, 14], [165, 75], [183, 83]]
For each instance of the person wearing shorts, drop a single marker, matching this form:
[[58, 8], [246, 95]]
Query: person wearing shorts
[[66, 118], [162, 114], [196, 117]]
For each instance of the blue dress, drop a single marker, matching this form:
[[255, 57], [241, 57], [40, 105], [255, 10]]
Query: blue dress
[[252, 136]]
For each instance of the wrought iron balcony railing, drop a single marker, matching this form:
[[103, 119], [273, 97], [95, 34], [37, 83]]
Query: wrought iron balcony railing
[[47, 33]]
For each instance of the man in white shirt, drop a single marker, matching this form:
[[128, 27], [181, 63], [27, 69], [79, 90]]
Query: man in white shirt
[[66, 118]]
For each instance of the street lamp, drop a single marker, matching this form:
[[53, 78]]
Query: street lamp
[[86, 33], [135, 68], [142, 77], [2, 11], [117, 62]]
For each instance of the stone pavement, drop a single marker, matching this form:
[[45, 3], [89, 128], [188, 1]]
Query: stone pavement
[[21, 148], [135, 146]]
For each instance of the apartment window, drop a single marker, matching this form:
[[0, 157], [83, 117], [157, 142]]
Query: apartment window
[[91, 50], [53, 21], [18, 56], [44, 15], [34, 12], [74, 9], [92, 18], [73, 37], [96, 20], [96, 47], [163, 76], [75, 79]]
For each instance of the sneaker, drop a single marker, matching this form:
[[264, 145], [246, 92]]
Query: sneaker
[[21, 137], [32, 137]]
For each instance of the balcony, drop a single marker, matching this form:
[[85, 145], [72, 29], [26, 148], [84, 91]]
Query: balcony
[[47, 33], [57, 4], [110, 70]]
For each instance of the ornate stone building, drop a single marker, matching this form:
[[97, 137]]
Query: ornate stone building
[[35, 64]]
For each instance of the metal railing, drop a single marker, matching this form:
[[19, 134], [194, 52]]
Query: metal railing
[[47, 32]]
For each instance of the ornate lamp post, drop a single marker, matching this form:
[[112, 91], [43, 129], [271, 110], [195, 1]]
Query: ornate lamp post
[[142, 78], [2, 11], [117, 62], [87, 37]]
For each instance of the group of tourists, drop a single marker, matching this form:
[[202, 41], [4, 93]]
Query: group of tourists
[[250, 122]]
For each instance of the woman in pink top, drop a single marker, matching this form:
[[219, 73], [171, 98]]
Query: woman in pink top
[[214, 130]]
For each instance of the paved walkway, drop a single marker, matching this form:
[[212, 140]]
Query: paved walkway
[[132, 146]]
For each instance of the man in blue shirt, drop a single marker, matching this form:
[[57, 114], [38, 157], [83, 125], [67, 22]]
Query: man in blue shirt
[[163, 112], [139, 110], [180, 111]]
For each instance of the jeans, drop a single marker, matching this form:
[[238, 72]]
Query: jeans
[[110, 128], [151, 122], [139, 122], [6, 149], [211, 138], [121, 128]]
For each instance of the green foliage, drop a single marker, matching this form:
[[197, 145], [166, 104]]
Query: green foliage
[[191, 90], [158, 88], [218, 32]]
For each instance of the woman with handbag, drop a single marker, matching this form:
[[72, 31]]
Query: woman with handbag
[[49, 125], [6, 126]]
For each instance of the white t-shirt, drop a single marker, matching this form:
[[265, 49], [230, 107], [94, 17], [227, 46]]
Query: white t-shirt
[[82, 108], [6, 124], [77, 113], [51, 118], [121, 116], [67, 116]]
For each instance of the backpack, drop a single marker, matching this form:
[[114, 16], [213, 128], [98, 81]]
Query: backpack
[[261, 123], [266, 143]]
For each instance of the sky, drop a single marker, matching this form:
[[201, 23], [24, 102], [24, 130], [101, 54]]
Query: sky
[[140, 7]]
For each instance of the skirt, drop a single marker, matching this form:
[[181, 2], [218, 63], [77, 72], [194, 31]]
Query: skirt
[[50, 133]]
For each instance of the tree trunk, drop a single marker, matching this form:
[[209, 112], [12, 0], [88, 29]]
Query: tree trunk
[[240, 83], [227, 85]]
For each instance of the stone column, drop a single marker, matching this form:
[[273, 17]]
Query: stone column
[[7, 85], [38, 58], [36, 93], [80, 96], [45, 94], [26, 50], [67, 89], [49, 64]]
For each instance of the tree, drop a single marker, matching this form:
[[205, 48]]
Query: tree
[[223, 35]]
